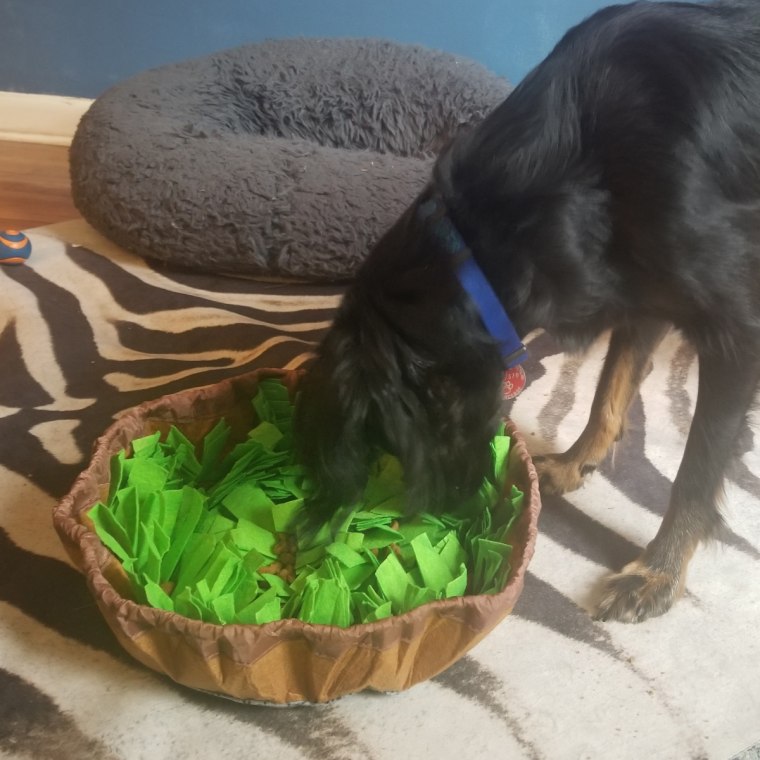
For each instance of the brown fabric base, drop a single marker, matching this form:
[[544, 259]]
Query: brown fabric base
[[288, 660]]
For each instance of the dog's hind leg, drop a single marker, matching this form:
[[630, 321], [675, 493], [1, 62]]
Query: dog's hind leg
[[626, 364], [649, 585]]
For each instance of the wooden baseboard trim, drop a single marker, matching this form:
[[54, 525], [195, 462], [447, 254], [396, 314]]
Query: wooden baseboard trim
[[48, 119]]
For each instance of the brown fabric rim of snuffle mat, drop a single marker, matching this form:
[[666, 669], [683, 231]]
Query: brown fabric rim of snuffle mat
[[287, 661]]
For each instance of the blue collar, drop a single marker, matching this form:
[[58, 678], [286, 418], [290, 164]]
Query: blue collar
[[475, 283]]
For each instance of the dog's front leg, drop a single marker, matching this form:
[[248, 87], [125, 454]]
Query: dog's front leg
[[649, 585], [626, 364]]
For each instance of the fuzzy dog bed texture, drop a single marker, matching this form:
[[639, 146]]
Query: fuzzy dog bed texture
[[286, 158]]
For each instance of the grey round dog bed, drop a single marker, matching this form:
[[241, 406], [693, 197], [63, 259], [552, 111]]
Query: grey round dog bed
[[285, 158]]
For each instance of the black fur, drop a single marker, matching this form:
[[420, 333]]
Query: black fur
[[617, 187]]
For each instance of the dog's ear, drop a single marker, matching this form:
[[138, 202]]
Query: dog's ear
[[330, 421], [355, 379]]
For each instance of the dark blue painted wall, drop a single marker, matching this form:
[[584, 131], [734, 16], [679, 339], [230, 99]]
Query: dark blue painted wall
[[81, 47]]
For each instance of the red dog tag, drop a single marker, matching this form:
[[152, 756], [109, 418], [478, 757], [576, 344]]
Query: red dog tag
[[514, 382]]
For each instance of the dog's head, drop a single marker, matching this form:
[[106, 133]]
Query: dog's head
[[408, 367]]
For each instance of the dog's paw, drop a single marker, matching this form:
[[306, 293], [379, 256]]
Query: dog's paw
[[637, 593], [558, 473]]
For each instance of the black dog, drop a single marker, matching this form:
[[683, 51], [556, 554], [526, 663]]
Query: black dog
[[617, 187]]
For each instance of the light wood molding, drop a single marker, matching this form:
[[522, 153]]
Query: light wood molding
[[49, 119]]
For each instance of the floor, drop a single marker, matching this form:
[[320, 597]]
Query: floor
[[34, 185]]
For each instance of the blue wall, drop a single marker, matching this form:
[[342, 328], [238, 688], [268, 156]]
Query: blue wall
[[81, 47]]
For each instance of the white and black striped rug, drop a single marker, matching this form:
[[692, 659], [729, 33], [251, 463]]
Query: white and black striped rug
[[87, 330]]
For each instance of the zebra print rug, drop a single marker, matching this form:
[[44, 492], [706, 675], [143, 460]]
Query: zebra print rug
[[87, 330]]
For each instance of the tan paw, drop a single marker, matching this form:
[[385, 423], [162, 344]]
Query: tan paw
[[559, 473], [636, 593]]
